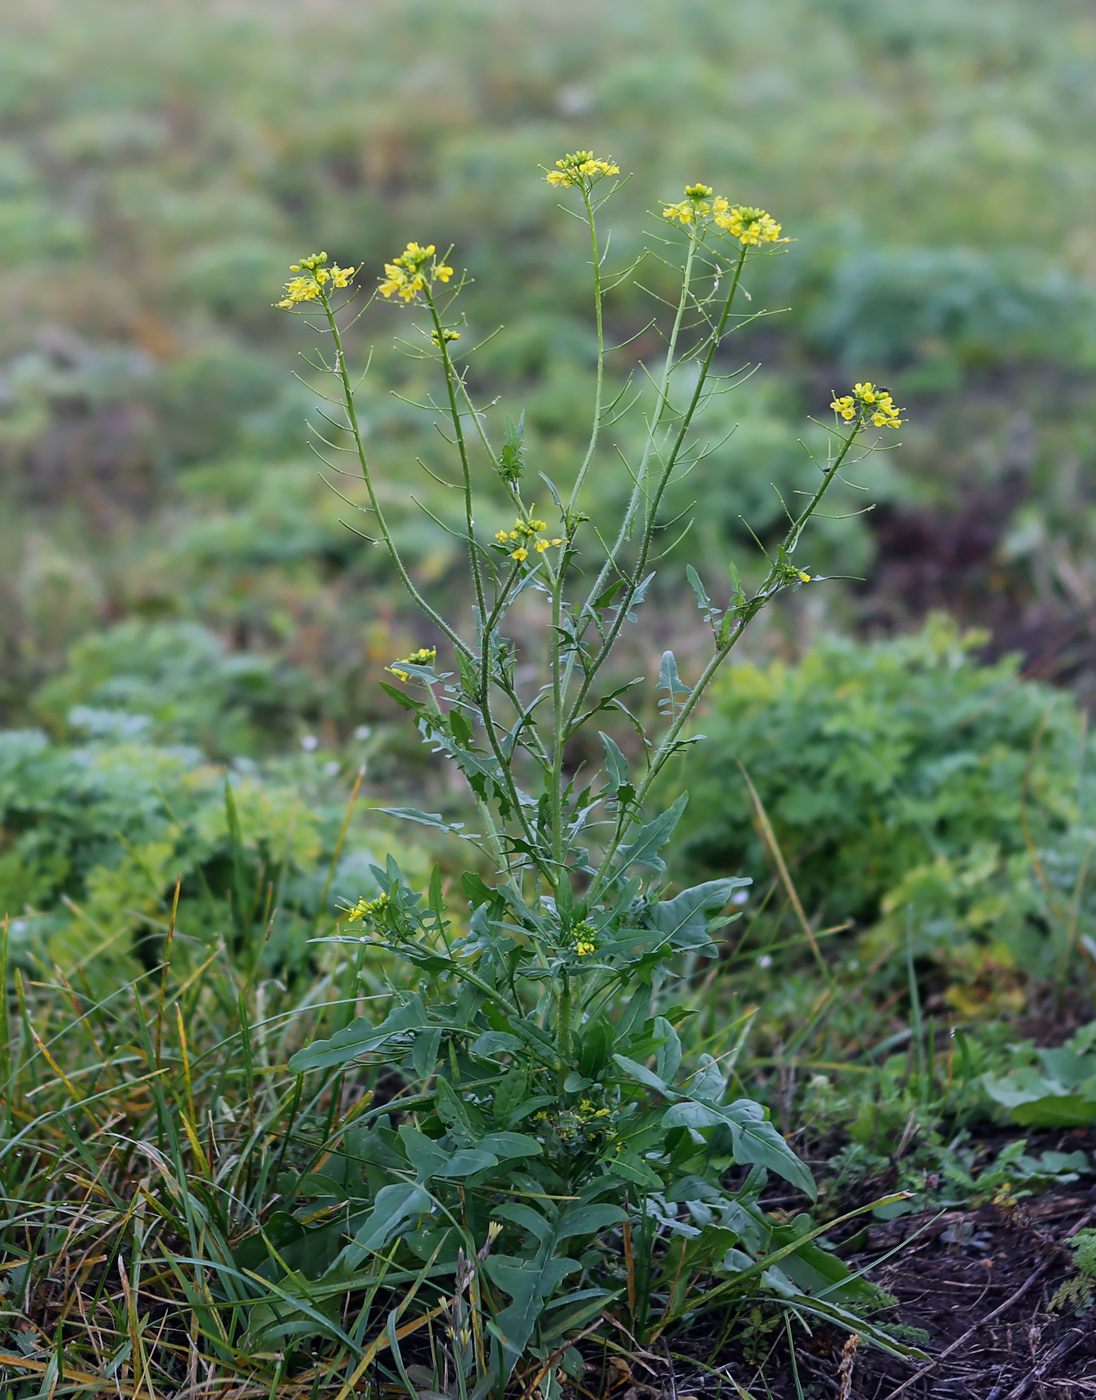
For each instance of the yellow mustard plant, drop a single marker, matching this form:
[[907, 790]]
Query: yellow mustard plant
[[581, 169], [868, 402], [425, 656], [570, 865], [415, 270], [314, 279]]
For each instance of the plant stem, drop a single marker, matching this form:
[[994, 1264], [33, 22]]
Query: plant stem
[[355, 432], [772, 585], [656, 500], [595, 429]]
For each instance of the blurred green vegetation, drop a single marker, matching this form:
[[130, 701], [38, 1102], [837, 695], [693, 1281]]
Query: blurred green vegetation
[[157, 176]]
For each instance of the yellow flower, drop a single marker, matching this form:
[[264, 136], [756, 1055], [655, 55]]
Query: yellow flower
[[582, 169], [750, 226], [525, 532], [368, 908], [313, 276], [445, 336], [868, 400], [300, 289], [803, 578], [584, 949], [408, 274], [423, 657], [698, 191], [683, 212]]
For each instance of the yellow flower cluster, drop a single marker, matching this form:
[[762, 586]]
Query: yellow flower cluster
[[584, 936], [423, 657], [868, 401], [445, 337], [368, 908], [750, 226], [416, 269], [525, 534], [313, 278], [582, 169]]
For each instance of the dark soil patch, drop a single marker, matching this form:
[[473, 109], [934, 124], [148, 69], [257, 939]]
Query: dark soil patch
[[978, 1282]]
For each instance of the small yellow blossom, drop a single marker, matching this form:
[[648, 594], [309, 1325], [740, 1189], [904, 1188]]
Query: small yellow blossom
[[584, 949], [425, 656], [445, 336], [368, 908], [312, 279], [526, 535], [803, 578], [580, 168], [750, 226], [694, 208], [866, 401], [416, 269], [684, 212]]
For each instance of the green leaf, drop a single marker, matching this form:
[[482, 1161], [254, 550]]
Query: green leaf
[[467, 1162], [604, 598], [703, 602], [668, 1055], [434, 819], [615, 762], [393, 1207], [451, 1110], [685, 918], [595, 1046], [644, 1076], [756, 1140], [651, 838], [509, 1145], [530, 1282], [525, 1216], [589, 1220], [509, 1093], [423, 1153], [1035, 1101], [359, 1038], [670, 682], [633, 1169], [402, 699], [495, 1043], [424, 1052]]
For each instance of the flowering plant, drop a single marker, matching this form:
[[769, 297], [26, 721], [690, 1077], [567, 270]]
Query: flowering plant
[[553, 1145]]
